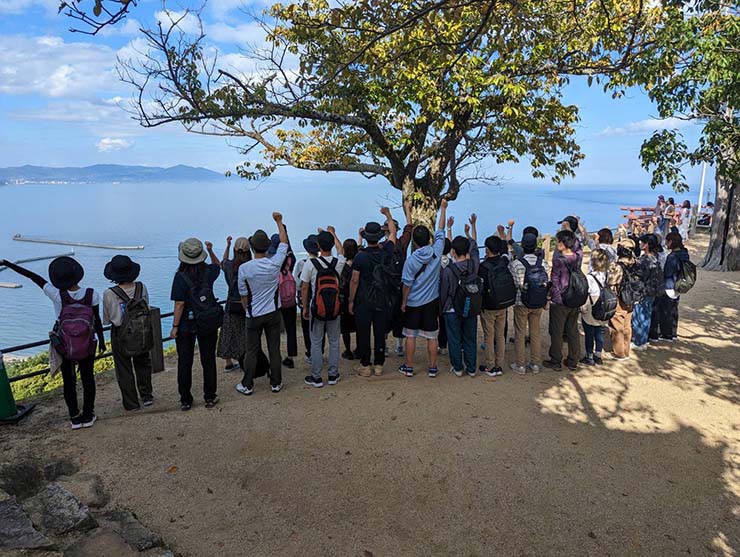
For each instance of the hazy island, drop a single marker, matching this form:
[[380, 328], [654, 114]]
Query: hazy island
[[105, 173]]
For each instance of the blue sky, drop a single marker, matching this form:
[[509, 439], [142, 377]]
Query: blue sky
[[60, 100]]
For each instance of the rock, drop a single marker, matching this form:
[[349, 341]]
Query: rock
[[55, 510], [21, 479], [87, 488], [16, 529], [130, 529], [101, 542], [158, 552], [60, 467]]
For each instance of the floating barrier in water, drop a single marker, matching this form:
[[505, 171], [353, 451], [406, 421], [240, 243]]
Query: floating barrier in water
[[42, 258], [19, 238], [10, 285]]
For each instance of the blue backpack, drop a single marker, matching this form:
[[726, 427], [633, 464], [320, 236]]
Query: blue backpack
[[536, 284]]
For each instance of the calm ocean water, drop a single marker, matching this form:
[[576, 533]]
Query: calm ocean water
[[158, 216]]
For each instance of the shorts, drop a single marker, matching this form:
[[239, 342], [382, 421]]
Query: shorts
[[422, 321]]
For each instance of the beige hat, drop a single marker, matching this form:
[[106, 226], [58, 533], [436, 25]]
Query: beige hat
[[191, 251], [241, 244]]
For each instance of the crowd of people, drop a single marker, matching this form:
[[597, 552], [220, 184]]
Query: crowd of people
[[412, 284]]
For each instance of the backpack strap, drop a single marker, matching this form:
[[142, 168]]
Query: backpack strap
[[138, 291], [66, 298], [315, 263], [87, 300], [118, 291]]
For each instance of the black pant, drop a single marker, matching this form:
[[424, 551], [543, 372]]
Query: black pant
[[306, 328], [667, 317], [134, 374], [442, 337], [185, 343], [378, 320], [289, 318], [270, 324], [397, 321], [564, 322], [87, 377]]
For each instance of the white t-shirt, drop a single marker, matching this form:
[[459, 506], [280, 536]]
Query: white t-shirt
[[262, 275], [113, 305], [594, 291], [55, 296], [309, 272]]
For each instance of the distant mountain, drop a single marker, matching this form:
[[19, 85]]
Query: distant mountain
[[105, 173]]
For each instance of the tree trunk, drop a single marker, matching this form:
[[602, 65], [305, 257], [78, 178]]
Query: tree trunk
[[723, 253], [424, 205]]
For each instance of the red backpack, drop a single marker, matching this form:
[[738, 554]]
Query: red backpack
[[287, 289], [325, 305], [75, 328]]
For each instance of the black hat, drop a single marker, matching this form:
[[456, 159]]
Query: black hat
[[259, 241], [529, 240], [121, 269], [572, 221], [311, 244], [373, 232], [65, 272]]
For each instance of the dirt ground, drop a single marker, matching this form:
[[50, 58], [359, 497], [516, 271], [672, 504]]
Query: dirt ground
[[630, 458]]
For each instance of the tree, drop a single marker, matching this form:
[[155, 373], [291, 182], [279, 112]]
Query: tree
[[418, 92], [103, 13], [691, 72]]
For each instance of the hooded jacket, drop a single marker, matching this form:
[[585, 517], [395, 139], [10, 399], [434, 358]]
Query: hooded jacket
[[673, 264], [425, 262]]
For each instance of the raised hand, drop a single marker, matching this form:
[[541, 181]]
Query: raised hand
[[510, 223], [209, 245], [450, 222], [277, 217], [385, 211], [320, 230], [501, 230], [331, 230], [467, 229], [228, 240], [473, 219]]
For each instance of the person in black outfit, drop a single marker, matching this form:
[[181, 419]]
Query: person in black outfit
[[347, 320]]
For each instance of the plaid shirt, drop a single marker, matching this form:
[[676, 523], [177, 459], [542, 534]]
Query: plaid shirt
[[518, 271]]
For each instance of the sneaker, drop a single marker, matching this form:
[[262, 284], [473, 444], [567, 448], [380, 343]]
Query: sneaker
[[244, 390], [231, 367], [334, 379], [598, 360], [365, 371], [432, 372], [571, 366], [147, 401], [498, 372], [76, 422], [406, 370], [276, 388], [313, 382], [289, 363], [210, 403], [516, 368], [458, 373], [442, 351], [587, 360], [487, 370], [553, 365], [637, 348], [348, 355], [620, 358], [377, 371], [185, 407], [471, 373], [667, 339], [534, 368], [89, 421]]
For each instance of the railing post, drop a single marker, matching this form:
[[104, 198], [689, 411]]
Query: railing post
[[157, 353], [546, 247]]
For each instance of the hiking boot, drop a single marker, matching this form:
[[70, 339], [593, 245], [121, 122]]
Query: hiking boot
[[348, 355], [587, 360], [211, 402], [244, 390], [276, 388], [406, 370], [377, 371], [313, 381], [88, 421], [289, 363], [553, 365], [520, 370], [365, 371], [76, 422], [334, 379]]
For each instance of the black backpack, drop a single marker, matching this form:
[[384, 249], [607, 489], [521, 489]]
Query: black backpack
[[577, 292], [534, 293], [630, 289], [325, 305], [499, 290], [134, 336], [385, 285], [686, 277], [606, 306], [468, 297], [208, 315]]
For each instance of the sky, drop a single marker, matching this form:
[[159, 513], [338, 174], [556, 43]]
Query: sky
[[62, 103]]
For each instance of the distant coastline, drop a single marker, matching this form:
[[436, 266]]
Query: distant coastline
[[105, 173]]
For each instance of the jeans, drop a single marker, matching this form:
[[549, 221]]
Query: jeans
[[134, 374], [641, 318], [87, 377], [564, 321], [332, 330], [378, 320], [270, 324], [289, 320], [594, 337], [185, 343], [462, 337], [667, 315]]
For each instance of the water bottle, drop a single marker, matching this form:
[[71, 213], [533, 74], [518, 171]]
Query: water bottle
[[190, 315]]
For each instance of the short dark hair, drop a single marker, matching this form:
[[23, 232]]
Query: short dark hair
[[325, 241], [530, 230], [529, 249], [421, 236], [350, 248], [448, 247], [461, 245], [673, 240], [606, 236], [671, 201], [567, 238], [686, 204], [495, 245], [260, 251]]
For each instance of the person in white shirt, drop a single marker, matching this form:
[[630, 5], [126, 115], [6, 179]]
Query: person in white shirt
[[258, 286], [593, 328], [322, 308], [605, 242]]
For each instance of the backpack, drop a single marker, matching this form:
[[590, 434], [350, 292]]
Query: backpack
[[287, 289], [630, 289], [576, 293], [385, 285], [325, 305], [686, 278], [468, 297], [75, 329], [499, 290], [534, 293], [208, 315], [134, 335], [606, 306]]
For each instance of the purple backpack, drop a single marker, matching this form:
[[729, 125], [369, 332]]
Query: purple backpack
[[76, 327]]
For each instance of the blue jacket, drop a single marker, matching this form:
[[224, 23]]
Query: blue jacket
[[673, 264], [425, 287]]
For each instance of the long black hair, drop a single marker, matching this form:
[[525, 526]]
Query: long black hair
[[193, 272]]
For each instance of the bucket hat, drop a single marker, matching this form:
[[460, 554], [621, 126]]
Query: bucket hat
[[191, 251], [65, 272], [121, 269]]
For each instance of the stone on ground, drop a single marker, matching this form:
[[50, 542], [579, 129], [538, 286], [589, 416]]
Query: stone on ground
[[21, 479], [130, 529], [87, 488], [16, 529], [60, 467], [54, 510], [101, 542]]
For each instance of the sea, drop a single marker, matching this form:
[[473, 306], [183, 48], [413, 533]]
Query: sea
[[160, 215]]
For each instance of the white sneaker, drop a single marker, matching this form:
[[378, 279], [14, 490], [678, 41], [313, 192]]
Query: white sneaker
[[534, 368], [89, 422], [276, 388], [521, 370], [243, 390], [458, 373]]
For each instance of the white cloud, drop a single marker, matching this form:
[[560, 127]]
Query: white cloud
[[129, 28], [248, 33], [108, 144], [647, 126], [15, 7]]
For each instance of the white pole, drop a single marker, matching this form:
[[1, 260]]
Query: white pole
[[697, 208]]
